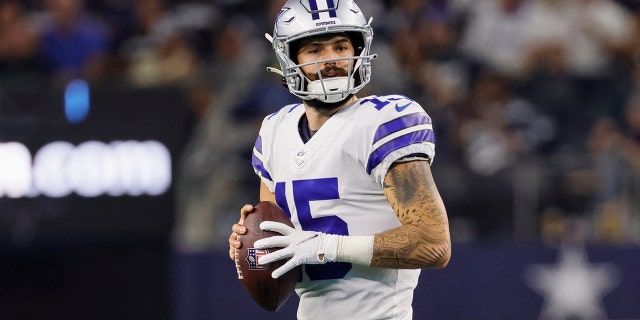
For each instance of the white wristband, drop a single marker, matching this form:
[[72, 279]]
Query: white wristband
[[355, 249]]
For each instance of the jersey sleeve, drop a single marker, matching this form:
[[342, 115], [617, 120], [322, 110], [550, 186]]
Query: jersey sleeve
[[259, 167], [259, 158], [404, 131], [263, 154]]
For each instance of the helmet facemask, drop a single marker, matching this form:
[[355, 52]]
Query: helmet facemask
[[323, 88]]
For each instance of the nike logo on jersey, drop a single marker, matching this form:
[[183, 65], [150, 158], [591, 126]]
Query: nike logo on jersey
[[402, 107]]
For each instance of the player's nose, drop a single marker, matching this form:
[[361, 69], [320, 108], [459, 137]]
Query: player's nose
[[330, 55]]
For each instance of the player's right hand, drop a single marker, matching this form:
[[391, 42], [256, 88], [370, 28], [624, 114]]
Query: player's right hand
[[299, 246], [238, 229]]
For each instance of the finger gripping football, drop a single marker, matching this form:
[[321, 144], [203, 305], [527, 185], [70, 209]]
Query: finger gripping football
[[267, 292]]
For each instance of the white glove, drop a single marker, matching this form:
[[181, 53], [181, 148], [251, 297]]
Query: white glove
[[302, 247]]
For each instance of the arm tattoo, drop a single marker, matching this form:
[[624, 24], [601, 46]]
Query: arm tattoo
[[423, 239]]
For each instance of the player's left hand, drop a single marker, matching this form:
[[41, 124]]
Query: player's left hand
[[238, 229], [302, 247]]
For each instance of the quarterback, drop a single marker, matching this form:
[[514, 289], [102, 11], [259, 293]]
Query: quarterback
[[352, 173]]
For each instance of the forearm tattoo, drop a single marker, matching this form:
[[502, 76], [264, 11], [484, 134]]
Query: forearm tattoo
[[423, 239]]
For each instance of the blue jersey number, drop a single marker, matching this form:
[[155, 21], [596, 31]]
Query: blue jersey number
[[305, 191], [401, 102]]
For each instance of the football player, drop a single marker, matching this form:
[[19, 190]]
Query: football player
[[352, 173]]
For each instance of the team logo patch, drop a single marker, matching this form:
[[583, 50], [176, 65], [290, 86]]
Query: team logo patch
[[252, 258], [328, 6], [300, 158]]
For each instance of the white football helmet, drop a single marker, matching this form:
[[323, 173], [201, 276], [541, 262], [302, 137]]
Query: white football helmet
[[299, 19]]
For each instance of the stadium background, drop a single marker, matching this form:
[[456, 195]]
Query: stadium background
[[536, 111]]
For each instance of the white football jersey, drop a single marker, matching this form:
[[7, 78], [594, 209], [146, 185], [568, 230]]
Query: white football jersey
[[333, 184]]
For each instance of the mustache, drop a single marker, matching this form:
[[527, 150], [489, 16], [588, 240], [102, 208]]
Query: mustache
[[337, 71]]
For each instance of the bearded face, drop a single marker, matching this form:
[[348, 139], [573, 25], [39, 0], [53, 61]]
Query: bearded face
[[328, 47]]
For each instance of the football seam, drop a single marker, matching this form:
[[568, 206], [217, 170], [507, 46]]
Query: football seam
[[236, 255]]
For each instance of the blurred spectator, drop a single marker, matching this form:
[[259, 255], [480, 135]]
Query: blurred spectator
[[616, 154], [617, 181], [606, 28], [499, 132], [495, 35], [501, 126], [169, 43], [632, 114], [633, 45], [573, 62], [118, 16], [443, 77], [73, 43], [18, 37], [400, 15], [609, 185], [417, 32]]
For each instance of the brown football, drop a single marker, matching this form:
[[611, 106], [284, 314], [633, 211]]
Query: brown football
[[267, 292]]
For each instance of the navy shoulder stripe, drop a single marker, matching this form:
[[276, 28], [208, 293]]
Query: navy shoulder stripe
[[395, 125], [258, 144], [256, 162], [378, 155]]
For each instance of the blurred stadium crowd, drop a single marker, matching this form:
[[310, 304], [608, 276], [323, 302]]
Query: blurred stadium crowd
[[536, 103]]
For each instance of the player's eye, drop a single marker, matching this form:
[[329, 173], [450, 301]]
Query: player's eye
[[313, 51]]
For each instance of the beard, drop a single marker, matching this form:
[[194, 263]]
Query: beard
[[326, 106]]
